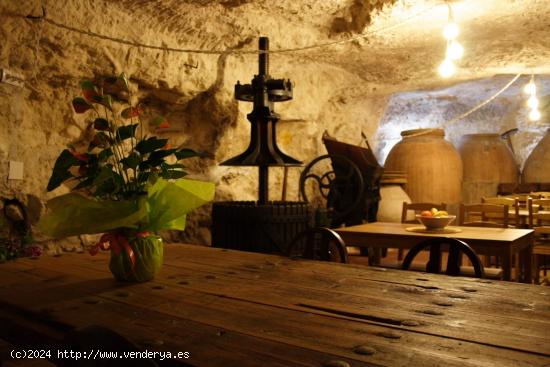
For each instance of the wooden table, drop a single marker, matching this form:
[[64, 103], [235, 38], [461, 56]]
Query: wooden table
[[230, 308], [485, 241]]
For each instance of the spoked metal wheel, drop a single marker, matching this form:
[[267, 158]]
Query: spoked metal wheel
[[337, 180]]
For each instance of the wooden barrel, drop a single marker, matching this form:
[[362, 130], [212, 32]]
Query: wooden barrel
[[537, 165], [432, 164], [487, 161]]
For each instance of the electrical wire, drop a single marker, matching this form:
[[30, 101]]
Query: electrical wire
[[54, 23], [490, 99]]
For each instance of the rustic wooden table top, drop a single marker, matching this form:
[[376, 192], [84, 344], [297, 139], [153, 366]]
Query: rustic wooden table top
[[466, 233], [230, 308], [504, 242]]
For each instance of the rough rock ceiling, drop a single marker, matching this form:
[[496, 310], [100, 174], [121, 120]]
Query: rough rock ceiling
[[499, 36]]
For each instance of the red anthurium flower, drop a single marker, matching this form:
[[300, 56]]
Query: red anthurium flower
[[160, 122], [164, 125], [131, 112], [91, 95]]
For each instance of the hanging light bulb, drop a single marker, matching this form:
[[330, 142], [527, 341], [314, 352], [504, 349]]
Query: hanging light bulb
[[534, 115], [533, 102], [451, 30], [446, 68], [530, 88], [454, 50]]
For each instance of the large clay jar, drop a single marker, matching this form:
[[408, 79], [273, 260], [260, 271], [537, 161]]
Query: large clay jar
[[537, 165], [391, 203], [432, 164], [392, 197], [487, 161]]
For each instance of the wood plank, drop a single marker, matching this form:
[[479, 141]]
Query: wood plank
[[192, 297]]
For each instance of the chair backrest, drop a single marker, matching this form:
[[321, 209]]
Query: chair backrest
[[481, 212], [513, 203], [417, 208], [539, 212], [456, 249], [319, 243]]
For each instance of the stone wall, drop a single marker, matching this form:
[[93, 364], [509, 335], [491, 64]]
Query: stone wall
[[341, 88]]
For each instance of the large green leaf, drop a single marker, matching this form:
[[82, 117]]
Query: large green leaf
[[186, 153], [73, 214], [150, 145], [172, 174], [61, 167], [132, 161], [126, 131]]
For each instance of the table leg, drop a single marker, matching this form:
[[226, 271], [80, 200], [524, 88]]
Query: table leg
[[507, 265], [526, 264]]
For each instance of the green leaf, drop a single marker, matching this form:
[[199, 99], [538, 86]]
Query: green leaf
[[104, 154], [150, 145], [132, 161], [80, 105], [126, 131], [160, 154], [108, 182], [143, 177], [186, 153], [101, 124], [105, 173], [173, 174], [87, 84], [172, 166], [57, 179], [60, 172]]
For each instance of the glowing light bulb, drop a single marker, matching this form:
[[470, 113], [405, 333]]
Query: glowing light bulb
[[533, 102], [454, 50], [451, 31], [534, 115], [530, 88], [446, 68]]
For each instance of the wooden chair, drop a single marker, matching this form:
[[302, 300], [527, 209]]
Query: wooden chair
[[456, 249], [416, 208], [513, 206], [319, 243], [483, 215], [539, 220]]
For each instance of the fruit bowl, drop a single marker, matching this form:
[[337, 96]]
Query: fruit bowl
[[434, 223]]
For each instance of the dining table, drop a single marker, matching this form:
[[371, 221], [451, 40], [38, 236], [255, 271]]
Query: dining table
[[218, 307], [502, 242]]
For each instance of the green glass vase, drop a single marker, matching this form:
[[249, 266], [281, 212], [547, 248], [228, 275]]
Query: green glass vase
[[148, 252]]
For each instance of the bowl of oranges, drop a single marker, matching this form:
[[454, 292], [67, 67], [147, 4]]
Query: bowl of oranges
[[435, 219]]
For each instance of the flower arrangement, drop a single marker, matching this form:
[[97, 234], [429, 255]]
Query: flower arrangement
[[128, 185]]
